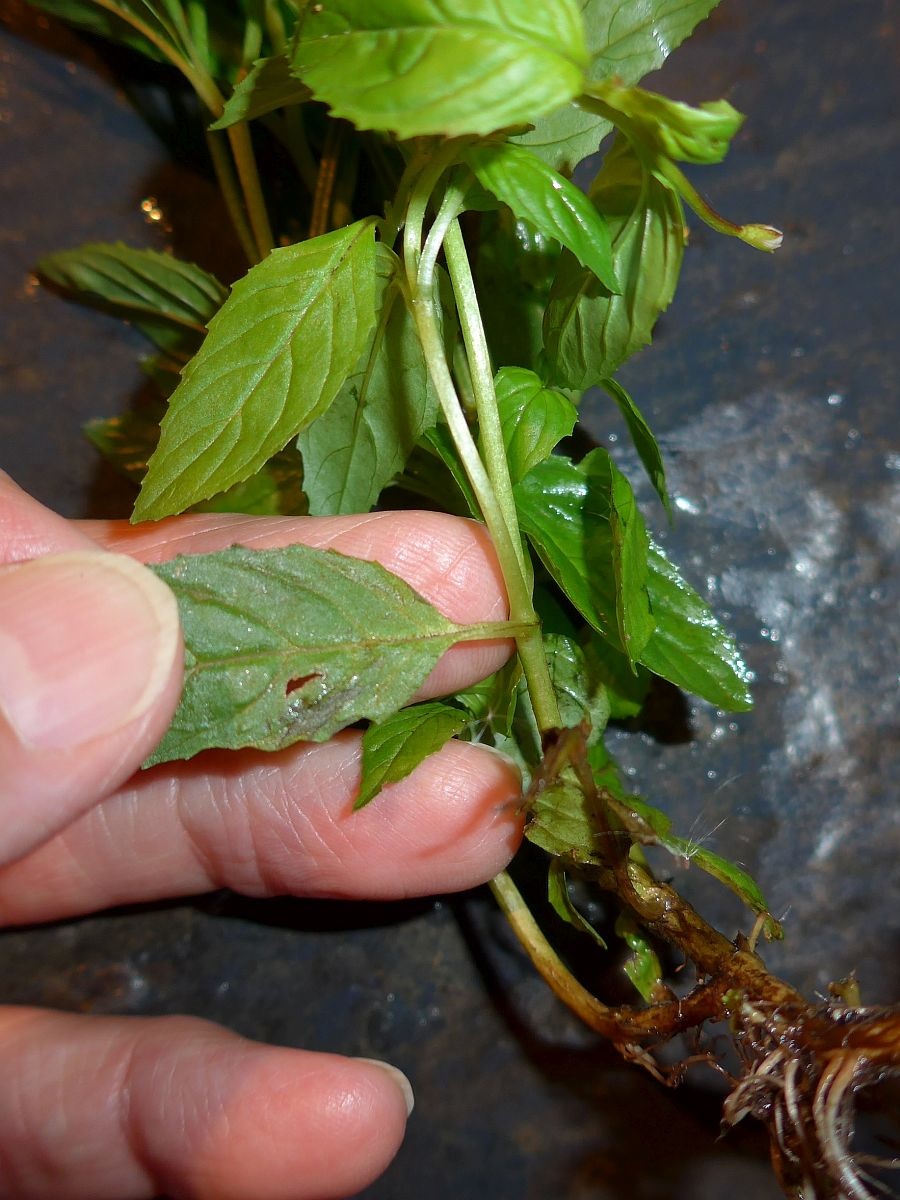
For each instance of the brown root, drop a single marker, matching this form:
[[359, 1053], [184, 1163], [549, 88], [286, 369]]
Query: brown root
[[807, 1068]]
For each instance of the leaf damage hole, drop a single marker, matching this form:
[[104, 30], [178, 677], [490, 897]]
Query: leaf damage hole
[[294, 685]]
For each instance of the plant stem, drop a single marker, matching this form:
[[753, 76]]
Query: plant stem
[[245, 161], [298, 146], [624, 1026], [421, 178], [482, 375], [318, 222], [274, 23], [595, 1014], [253, 35], [531, 652], [228, 185], [503, 528]]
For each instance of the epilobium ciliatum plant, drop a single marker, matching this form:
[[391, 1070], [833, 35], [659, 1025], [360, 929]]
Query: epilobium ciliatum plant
[[428, 296]]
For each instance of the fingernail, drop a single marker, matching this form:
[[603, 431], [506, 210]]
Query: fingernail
[[87, 644], [399, 1079]]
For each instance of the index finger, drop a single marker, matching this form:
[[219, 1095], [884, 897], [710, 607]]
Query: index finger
[[448, 560]]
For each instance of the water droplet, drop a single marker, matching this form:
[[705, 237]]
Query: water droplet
[[835, 399], [712, 774], [892, 461], [683, 504]]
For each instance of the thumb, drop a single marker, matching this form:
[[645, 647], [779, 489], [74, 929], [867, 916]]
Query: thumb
[[90, 674]]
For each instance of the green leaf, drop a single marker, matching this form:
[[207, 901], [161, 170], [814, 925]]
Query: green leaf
[[515, 269], [727, 873], [562, 904], [533, 418], [440, 442], [118, 21], [584, 525], [626, 688], [548, 201], [644, 441], [564, 822], [642, 967], [128, 440], [579, 692], [275, 357], [268, 86], [689, 647], [590, 331], [626, 40], [293, 644], [165, 373], [684, 132], [171, 301], [630, 546], [607, 672], [565, 511], [491, 703], [394, 746], [362, 441], [418, 67]]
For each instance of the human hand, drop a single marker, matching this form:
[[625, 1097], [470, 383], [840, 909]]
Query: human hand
[[90, 669]]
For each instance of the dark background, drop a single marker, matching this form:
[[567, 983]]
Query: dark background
[[772, 384]]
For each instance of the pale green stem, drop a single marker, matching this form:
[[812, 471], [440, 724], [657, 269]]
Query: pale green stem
[[463, 377], [489, 428], [199, 81], [242, 149], [760, 237], [228, 185], [238, 136], [534, 663], [275, 27], [548, 963], [445, 216], [253, 35], [509, 550], [432, 165]]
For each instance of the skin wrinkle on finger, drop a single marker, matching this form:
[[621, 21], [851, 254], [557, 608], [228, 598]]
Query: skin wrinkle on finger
[[430, 546], [451, 824]]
